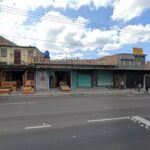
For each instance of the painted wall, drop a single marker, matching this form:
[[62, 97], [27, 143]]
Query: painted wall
[[42, 80], [74, 79], [24, 55]]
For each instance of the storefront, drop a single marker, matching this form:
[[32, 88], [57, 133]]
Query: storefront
[[19, 75], [105, 78]]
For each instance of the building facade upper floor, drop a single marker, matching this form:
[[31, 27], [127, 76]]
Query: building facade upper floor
[[18, 55]]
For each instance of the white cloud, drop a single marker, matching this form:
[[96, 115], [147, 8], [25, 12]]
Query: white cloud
[[111, 46], [74, 4], [26, 4], [128, 9], [103, 53], [135, 33], [65, 38], [122, 9]]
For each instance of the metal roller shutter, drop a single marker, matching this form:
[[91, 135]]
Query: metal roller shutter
[[84, 79]]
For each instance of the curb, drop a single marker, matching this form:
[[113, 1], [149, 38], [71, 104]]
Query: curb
[[71, 94]]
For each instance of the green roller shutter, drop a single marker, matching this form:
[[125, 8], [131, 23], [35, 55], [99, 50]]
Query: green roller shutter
[[84, 79], [105, 78], [74, 77]]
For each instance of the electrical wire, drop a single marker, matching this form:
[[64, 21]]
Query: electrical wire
[[55, 18]]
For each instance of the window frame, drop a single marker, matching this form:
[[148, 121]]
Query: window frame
[[3, 52], [30, 53]]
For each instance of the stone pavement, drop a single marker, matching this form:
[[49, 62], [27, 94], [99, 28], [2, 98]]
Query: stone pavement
[[80, 91]]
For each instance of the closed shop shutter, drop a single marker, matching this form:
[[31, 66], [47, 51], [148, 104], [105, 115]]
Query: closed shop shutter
[[105, 79], [147, 81], [132, 78], [84, 79]]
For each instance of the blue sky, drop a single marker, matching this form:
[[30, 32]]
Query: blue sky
[[85, 29]]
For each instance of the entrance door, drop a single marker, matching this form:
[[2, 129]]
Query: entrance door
[[17, 57]]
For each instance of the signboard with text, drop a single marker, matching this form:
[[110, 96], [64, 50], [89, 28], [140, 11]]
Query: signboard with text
[[138, 51]]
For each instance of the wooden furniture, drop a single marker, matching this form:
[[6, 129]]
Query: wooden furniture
[[30, 83], [4, 91], [27, 90], [9, 85], [29, 87], [65, 88]]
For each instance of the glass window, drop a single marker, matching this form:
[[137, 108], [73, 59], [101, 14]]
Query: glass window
[[3, 52], [123, 62], [30, 53], [139, 63], [130, 62]]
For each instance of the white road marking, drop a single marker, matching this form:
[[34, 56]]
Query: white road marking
[[137, 98], [37, 127], [142, 120], [109, 119], [146, 127], [74, 136], [22, 103]]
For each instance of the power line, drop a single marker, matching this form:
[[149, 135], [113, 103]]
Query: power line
[[37, 15], [35, 39], [55, 18]]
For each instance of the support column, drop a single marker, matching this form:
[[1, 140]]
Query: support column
[[25, 77], [144, 80], [125, 86]]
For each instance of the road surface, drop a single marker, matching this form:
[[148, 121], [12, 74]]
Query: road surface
[[75, 122]]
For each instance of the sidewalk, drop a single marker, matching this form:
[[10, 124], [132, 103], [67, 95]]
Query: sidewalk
[[79, 91]]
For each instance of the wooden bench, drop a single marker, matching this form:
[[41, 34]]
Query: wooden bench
[[27, 90], [4, 91], [65, 88], [8, 85], [30, 83], [29, 87]]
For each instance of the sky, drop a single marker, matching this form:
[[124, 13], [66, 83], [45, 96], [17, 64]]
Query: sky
[[83, 29]]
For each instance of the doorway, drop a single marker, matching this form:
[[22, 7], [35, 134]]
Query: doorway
[[17, 57], [62, 76], [15, 76]]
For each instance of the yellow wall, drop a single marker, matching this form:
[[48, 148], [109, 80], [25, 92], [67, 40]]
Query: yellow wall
[[24, 55]]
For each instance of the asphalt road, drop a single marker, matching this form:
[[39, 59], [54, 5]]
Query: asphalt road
[[74, 123]]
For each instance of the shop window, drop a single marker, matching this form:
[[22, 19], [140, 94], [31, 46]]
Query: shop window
[[3, 52]]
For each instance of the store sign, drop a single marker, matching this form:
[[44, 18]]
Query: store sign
[[137, 51]]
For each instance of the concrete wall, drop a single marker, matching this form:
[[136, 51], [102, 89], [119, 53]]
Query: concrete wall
[[131, 61], [110, 60]]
